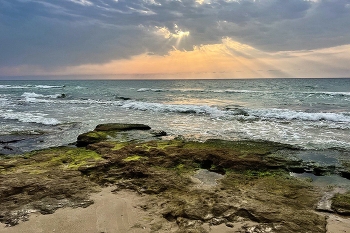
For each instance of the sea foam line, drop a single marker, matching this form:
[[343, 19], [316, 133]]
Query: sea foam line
[[34, 97], [28, 86], [265, 114], [286, 114], [27, 117]]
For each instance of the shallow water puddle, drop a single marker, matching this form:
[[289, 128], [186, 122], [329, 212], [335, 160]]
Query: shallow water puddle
[[324, 181], [207, 178]]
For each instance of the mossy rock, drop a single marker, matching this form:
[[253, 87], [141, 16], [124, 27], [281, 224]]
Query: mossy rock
[[341, 203], [103, 131], [90, 137], [256, 185], [121, 127]]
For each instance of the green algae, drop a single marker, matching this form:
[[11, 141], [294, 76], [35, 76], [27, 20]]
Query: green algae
[[42, 161], [133, 158], [91, 137], [241, 147], [254, 187], [341, 203], [119, 145], [79, 157], [160, 145], [121, 127]]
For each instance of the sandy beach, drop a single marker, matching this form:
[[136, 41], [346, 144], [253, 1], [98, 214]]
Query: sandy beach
[[119, 212], [163, 186], [110, 213]]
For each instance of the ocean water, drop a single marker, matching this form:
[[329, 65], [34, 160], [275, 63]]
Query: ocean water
[[309, 113]]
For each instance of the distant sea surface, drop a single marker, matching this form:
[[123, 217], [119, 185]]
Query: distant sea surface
[[309, 113]]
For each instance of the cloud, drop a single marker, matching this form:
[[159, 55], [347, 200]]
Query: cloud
[[227, 59], [59, 33]]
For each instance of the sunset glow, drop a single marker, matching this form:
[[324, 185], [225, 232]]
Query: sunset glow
[[177, 39]]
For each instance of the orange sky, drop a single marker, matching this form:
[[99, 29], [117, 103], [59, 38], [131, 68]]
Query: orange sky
[[157, 39], [228, 59]]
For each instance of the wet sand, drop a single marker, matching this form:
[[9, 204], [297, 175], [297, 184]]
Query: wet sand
[[337, 224], [111, 212], [120, 213]]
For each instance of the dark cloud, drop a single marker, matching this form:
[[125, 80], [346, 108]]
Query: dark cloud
[[72, 32]]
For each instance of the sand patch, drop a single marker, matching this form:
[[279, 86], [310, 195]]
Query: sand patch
[[337, 224], [111, 212]]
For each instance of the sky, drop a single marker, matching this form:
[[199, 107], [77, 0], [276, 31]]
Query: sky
[[175, 38]]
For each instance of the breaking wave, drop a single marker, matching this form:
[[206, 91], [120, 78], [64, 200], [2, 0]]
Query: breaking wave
[[215, 112], [27, 117], [285, 114], [28, 86], [34, 97], [243, 91]]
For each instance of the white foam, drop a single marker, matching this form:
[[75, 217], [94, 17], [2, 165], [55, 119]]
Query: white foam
[[47, 86], [27, 117], [34, 97], [150, 89], [243, 91], [28, 86], [176, 108], [31, 95], [330, 93], [286, 114], [13, 87], [3, 101], [143, 89], [265, 114]]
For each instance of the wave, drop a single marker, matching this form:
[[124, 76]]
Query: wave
[[212, 111], [181, 108], [47, 86], [27, 117], [32, 96], [3, 101], [244, 91], [217, 91], [150, 89], [331, 93], [29, 86], [237, 113], [228, 113], [286, 114], [13, 87]]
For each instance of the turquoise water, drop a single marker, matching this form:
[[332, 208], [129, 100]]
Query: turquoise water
[[309, 113]]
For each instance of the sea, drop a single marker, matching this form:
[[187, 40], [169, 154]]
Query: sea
[[307, 113]]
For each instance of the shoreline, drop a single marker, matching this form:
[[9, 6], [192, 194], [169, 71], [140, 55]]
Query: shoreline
[[121, 212], [110, 213], [163, 186]]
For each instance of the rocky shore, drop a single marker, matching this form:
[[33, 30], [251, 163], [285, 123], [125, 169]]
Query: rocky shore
[[186, 186]]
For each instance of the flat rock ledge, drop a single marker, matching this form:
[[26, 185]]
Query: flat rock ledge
[[252, 191]]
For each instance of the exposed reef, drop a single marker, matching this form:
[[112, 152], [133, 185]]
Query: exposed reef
[[254, 185]]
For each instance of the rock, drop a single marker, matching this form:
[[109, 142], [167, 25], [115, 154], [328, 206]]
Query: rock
[[190, 226], [216, 221], [201, 212], [256, 186], [62, 96], [220, 209], [319, 171], [345, 174], [122, 98], [229, 224], [341, 203], [121, 127], [158, 133], [90, 137]]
